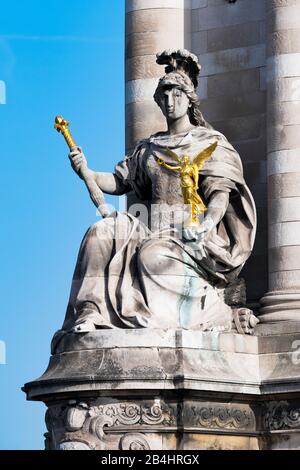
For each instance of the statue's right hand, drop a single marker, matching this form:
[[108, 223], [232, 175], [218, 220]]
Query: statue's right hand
[[78, 160]]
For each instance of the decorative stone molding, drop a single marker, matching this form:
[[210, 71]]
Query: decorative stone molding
[[281, 415], [153, 424], [134, 442], [139, 425], [223, 417], [74, 425]]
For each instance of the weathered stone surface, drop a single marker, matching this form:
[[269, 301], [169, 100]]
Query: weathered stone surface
[[130, 401], [202, 88], [263, 78], [140, 90], [136, 112], [287, 280], [132, 5], [211, 442], [199, 42], [142, 67], [195, 4], [148, 43], [168, 338], [233, 84], [219, 16], [154, 20], [284, 42], [252, 150], [281, 66], [242, 35], [96, 359], [284, 185], [286, 114], [271, 4], [284, 210], [284, 89], [284, 258], [282, 137], [286, 18], [279, 311], [281, 329], [242, 128], [284, 234], [284, 161], [282, 302], [223, 107], [149, 425], [233, 59]]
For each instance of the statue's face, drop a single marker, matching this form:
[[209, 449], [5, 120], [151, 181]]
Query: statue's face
[[174, 103], [186, 160]]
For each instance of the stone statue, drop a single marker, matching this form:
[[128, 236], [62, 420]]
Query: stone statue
[[132, 275]]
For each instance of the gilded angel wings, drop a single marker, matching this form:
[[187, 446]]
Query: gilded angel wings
[[199, 160]]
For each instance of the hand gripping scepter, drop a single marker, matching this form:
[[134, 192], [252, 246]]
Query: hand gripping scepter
[[62, 126]]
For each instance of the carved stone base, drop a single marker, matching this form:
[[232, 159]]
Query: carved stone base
[[142, 389]]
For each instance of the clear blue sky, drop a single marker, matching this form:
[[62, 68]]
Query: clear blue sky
[[55, 58]]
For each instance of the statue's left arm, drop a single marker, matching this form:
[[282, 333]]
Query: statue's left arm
[[216, 210], [217, 207]]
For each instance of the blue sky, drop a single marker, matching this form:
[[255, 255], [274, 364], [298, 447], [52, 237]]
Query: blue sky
[[55, 58]]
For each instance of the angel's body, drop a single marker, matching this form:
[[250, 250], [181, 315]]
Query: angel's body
[[129, 276], [189, 179]]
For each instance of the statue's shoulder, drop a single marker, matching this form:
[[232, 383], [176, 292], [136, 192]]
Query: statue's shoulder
[[140, 146], [144, 144], [202, 133]]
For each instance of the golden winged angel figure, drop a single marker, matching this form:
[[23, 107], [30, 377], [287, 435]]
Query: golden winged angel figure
[[189, 178]]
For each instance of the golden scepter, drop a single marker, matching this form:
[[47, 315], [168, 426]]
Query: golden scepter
[[62, 126]]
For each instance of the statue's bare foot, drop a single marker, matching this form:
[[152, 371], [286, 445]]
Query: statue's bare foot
[[244, 321], [84, 327]]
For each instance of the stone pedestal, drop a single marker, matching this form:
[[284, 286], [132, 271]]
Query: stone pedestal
[[172, 390]]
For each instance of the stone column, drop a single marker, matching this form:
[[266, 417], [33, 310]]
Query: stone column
[[282, 303], [151, 26]]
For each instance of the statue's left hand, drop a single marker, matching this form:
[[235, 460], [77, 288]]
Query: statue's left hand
[[198, 233]]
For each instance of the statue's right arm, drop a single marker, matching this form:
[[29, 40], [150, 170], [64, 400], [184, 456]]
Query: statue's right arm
[[109, 183]]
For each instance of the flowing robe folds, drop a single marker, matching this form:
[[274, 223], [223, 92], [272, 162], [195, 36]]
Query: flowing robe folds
[[131, 276]]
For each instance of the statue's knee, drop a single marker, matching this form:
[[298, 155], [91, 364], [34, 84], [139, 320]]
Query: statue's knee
[[146, 258], [100, 231], [157, 258], [103, 227]]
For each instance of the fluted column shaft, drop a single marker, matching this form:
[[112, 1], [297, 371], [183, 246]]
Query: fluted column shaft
[[282, 303], [151, 26]]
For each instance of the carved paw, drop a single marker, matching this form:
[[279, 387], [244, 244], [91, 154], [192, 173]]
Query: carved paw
[[244, 321]]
